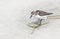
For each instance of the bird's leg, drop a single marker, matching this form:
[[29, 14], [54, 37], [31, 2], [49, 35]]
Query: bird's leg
[[40, 22]]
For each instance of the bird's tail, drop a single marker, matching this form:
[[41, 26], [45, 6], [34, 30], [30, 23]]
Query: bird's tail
[[49, 13]]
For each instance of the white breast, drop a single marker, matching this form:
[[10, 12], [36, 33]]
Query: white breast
[[36, 18]]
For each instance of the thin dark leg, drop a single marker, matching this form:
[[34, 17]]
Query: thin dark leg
[[40, 22]]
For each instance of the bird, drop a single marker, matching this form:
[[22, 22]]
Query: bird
[[40, 15]]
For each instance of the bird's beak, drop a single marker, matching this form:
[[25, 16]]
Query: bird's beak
[[30, 16]]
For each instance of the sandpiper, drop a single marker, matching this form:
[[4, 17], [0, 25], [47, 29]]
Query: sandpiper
[[40, 15]]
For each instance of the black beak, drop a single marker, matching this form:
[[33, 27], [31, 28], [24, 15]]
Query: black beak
[[30, 16]]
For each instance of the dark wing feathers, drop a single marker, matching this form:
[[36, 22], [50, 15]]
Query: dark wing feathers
[[42, 13]]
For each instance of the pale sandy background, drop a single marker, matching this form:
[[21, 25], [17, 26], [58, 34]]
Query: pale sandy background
[[14, 15]]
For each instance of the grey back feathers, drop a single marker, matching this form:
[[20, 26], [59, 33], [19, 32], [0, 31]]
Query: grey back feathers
[[41, 13]]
